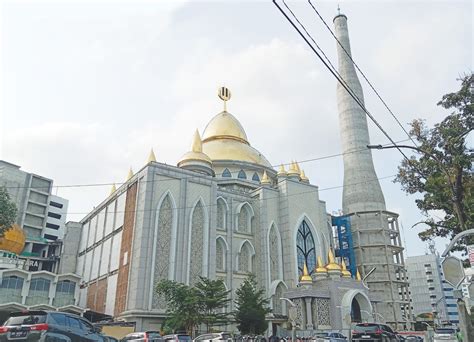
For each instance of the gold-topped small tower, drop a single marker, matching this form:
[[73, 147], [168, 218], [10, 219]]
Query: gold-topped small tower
[[344, 272], [303, 177], [319, 266], [306, 278], [332, 265], [114, 188], [358, 277], [282, 171], [130, 174], [265, 180], [151, 157], [293, 170], [225, 95]]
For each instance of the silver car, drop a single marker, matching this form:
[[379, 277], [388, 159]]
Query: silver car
[[222, 336], [330, 336], [445, 335]]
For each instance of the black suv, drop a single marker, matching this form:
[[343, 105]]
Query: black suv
[[48, 326], [374, 332]]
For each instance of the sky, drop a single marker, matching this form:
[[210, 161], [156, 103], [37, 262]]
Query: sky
[[88, 87]]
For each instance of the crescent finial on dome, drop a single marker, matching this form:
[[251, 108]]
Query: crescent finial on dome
[[225, 95]]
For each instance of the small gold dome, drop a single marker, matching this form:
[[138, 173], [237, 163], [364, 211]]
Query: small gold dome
[[293, 170], [196, 153], [345, 273], [13, 240], [114, 188], [282, 171], [306, 277], [265, 179], [332, 265], [319, 267], [303, 177], [130, 174], [151, 157]]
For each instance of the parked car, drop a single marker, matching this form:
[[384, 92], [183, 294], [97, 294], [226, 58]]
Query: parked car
[[374, 332], [330, 336], [110, 339], [445, 335], [145, 336], [48, 325], [222, 336], [413, 338], [177, 338]]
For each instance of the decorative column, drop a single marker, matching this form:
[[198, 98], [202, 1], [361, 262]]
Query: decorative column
[[309, 313]]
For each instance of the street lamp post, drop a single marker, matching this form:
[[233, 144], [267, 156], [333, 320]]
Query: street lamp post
[[292, 313]]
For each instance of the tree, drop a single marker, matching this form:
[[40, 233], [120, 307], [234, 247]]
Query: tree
[[8, 211], [213, 297], [441, 171], [184, 309], [252, 307]]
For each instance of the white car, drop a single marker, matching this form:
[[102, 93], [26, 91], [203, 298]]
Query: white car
[[330, 336], [222, 336], [445, 335]]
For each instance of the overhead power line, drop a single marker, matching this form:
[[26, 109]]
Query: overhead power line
[[85, 185], [253, 199], [360, 71], [335, 73]]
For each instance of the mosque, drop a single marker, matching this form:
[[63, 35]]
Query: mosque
[[224, 212]]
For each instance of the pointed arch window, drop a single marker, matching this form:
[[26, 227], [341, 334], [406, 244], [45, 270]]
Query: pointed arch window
[[220, 255], [197, 244], [245, 219], [226, 173], [255, 177], [245, 258], [242, 175], [306, 252], [221, 214]]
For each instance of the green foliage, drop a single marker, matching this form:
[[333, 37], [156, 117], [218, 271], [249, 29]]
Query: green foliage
[[252, 307], [441, 171], [8, 211], [188, 307], [183, 305], [214, 298]]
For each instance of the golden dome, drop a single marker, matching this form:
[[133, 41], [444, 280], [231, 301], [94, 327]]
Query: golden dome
[[224, 126], [303, 177], [319, 267], [293, 170], [332, 265], [306, 276], [196, 153], [345, 273], [13, 240]]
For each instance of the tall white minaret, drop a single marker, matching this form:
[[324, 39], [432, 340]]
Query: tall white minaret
[[363, 199]]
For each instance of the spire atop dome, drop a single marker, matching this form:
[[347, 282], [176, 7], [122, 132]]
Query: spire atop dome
[[225, 95], [151, 157], [197, 142]]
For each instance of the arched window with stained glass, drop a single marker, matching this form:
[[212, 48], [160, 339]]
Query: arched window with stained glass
[[255, 177], [242, 175], [306, 252]]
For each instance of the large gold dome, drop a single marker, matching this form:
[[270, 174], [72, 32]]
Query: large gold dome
[[13, 240], [225, 139]]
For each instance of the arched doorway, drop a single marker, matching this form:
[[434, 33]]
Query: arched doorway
[[356, 315]]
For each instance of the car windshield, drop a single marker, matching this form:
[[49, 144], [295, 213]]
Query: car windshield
[[322, 334], [153, 334], [444, 331], [366, 327], [184, 338], [26, 319]]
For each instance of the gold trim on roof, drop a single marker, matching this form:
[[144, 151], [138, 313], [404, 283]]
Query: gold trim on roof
[[306, 276], [332, 265], [319, 266]]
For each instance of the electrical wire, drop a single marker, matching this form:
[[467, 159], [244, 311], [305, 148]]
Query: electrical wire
[[259, 200], [363, 75], [339, 79], [186, 177]]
